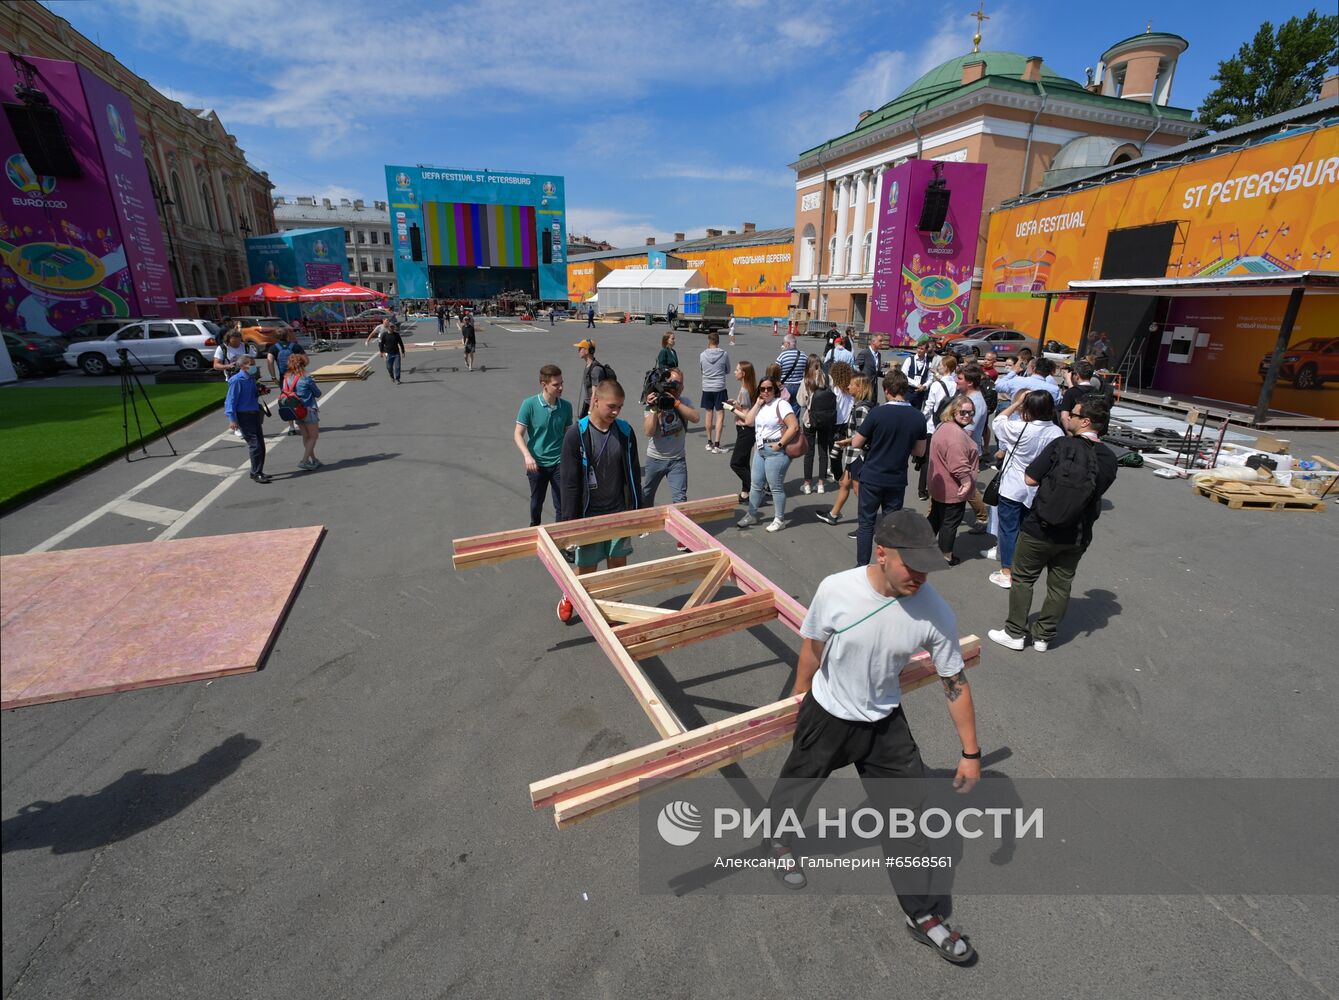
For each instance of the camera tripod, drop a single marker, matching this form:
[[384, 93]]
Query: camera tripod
[[130, 383]]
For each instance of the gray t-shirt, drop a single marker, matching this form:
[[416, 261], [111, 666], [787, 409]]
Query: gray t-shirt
[[609, 475], [667, 443], [715, 366], [858, 679]]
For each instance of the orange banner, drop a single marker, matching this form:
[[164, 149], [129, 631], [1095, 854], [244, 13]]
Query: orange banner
[[1260, 210], [756, 278]]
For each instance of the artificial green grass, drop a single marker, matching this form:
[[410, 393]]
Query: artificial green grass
[[49, 435]]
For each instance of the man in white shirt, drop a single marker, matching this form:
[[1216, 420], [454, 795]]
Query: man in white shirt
[[917, 369], [863, 627]]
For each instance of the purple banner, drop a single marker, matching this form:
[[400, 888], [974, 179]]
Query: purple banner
[[131, 195], [923, 281], [65, 260]]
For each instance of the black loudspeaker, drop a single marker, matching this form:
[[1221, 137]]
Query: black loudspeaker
[[546, 255], [42, 140], [934, 210], [415, 243]]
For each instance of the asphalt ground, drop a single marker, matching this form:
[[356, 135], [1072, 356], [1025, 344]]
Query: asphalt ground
[[354, 820]]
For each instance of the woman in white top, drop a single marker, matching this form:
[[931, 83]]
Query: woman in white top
[[773, 421], [942, 387], [1023, 431]]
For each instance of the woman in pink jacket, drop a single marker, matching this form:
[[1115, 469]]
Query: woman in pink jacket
[[954, 462]]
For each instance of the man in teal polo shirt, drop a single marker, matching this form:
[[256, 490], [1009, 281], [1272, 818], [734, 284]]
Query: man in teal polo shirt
[[540, 425]]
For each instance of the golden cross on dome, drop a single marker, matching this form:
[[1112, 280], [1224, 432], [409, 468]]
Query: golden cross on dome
[[980, 16]]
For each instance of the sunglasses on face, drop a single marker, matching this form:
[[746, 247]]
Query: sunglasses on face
[[767, 388]]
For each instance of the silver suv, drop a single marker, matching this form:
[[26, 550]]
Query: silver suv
[[185, 343]]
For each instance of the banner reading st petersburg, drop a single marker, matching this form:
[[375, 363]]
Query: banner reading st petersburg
[[472, 234]]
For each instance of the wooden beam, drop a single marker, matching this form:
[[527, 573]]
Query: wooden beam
[[583, 802], [747, 579], [665, 721], [707, 590], [698, 624], [500, 546], [656, 574], [618, 611]]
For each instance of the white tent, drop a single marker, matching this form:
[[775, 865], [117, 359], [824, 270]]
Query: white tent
[[650, 291]]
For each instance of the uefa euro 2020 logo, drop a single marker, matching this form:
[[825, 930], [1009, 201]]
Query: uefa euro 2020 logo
[[550, 189], [892, 196], [25, 178], [115, 123], [402, 180], [679, 823], [944, 237], [319, 249]]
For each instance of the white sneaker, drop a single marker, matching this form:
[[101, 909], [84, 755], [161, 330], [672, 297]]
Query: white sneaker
[[776, 525], [992, 553], [1040, 645], [237, 432], [747, 521], [710, 447], [820, 486], [1001, 580], [1006, 640], [806, 489]]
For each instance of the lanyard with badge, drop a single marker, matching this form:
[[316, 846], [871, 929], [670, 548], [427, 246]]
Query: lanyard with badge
[[591, 480]]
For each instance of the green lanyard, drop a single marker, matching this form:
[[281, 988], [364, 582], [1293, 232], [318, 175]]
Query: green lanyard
[[866, 618]]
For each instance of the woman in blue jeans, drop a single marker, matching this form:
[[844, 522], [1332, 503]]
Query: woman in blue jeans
[[1023, 431], [774, 423]]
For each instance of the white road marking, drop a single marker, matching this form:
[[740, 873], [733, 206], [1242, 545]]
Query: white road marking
[[183, 462], [146, 512], [207, 468], [522, 329]]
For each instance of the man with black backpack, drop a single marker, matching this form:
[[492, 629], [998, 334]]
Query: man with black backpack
[[1071, 475], [593, 374]]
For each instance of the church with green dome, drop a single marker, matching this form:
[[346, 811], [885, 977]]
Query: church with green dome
[[1032, 125]]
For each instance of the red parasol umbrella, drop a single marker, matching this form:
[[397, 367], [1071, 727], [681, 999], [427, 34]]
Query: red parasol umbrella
[[338, 290], [263, 292]]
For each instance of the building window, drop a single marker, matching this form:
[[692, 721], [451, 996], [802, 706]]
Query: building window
[[390, 264], [179, 203], [832, 254], [347, 238], [807, 247], [376, 264], [197, 282], [367, 265], [220, 282], [207, 199], [867, 254], [873, 188], [351, 267], [362, 236], [846, 254], [232, 214]]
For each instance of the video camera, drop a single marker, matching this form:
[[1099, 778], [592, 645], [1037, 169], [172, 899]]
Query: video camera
[[660, 382]]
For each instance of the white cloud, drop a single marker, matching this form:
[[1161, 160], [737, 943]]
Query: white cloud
[[622, 229], [709, 172]]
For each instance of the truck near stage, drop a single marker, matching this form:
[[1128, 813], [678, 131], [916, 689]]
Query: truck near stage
[[704, 310]]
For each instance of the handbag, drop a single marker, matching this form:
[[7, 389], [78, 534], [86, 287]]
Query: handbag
[[990, 496], [799, 447]]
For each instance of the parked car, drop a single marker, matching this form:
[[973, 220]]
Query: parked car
[[99, 329], [32, 355], [187, 343], [1308, 363], [944, 339], [1005, 343], [263, 330]]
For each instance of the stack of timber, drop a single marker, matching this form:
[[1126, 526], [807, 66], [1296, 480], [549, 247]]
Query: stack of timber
[[344, 372], [1256, 496]]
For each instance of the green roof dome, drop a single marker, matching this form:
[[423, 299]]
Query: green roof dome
[[949, 75]]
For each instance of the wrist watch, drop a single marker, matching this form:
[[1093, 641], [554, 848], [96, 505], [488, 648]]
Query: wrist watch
[[972, 756]]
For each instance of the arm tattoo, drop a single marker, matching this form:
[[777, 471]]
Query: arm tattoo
[[954, 686]]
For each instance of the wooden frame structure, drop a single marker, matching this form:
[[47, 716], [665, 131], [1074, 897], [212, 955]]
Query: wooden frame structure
[[628, 633]]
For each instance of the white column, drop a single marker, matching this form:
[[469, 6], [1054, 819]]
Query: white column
[[843, 203], [878, 208], [858, 226]]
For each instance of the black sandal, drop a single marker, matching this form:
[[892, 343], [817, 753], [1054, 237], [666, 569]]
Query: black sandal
[[920, 930]]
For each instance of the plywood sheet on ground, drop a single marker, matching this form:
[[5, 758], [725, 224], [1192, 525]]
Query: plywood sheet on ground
[[82, 622]]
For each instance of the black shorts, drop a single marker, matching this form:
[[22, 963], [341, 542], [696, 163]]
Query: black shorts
[[469, 345]]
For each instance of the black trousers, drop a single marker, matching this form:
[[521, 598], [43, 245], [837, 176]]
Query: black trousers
[[820, 442], [882, 752], [541, 479], [945, 518], [741, 459], [248, 422]]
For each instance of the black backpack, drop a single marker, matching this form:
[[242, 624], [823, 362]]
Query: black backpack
[[943, 403], [606, 373], [823, 409], [991, 395], [1069, 489]]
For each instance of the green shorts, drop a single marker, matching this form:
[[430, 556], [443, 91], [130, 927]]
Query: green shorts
[[596, 552]]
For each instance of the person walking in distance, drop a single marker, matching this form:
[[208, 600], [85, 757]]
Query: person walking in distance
[[954, 462], [390, 345], [1071, 475], [667, 357], [776, 426], [600, 475], [862, 628], [891, 435], [242, 408], [301, 388], [666, 431], [541, 424], [441, 318], [741, 457], [731, 329], [592, 374], [469, 340], [590, 317], [715, 365]]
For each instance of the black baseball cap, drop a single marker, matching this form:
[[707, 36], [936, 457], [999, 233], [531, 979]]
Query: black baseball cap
[[912, 537]]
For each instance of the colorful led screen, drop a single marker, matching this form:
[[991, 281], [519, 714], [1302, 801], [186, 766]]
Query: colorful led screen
[[462, 235]]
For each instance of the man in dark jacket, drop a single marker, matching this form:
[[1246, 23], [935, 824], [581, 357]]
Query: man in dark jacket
[[1066, 465], [600, 474], [391, 346], [869, 363]]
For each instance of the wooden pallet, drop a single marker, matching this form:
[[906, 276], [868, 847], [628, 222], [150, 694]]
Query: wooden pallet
[[342, 372], [1258, 496]]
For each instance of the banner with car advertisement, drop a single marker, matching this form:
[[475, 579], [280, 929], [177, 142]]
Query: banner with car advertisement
[[474, 233], [74, 249], [923, 280]]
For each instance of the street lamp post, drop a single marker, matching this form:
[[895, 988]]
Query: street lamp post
[[165, 202]]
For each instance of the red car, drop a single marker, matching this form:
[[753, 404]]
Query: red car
[[1308, 363]]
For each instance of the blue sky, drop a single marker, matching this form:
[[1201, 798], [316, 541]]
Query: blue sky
[[662, 117]]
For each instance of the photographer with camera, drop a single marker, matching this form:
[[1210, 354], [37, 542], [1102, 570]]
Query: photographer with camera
[[668, 414]]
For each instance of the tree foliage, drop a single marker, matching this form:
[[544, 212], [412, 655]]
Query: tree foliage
[[1273, 72]]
